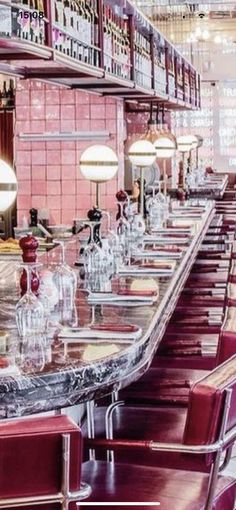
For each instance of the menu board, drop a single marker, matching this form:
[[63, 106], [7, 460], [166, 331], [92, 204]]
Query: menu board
[[215, 122], [199, 122], [227, 126]]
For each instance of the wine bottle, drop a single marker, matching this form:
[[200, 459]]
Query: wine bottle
[[4, 94], [25, 21]]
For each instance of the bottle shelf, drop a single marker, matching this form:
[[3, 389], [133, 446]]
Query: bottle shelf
[[110, 49]]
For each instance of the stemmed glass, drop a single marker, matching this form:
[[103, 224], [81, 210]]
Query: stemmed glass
[[65, 279], [154, 207], [95, 260], [30, 316], [114, 244]]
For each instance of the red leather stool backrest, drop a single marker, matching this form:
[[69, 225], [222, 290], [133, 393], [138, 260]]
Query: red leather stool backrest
[[31, 456], [226, 346], [206, 401]]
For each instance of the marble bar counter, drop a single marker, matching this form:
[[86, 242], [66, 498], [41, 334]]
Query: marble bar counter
[[67, 373]]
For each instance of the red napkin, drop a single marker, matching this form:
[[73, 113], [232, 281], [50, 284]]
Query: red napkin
[[145, 293], [171, 250], [123, 328], [154, 266]]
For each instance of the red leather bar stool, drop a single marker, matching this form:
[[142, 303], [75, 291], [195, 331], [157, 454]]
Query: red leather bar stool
[[41, 464], [171, 385], [157, 448]]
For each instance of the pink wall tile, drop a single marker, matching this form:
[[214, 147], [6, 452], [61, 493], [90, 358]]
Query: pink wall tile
[[98, 112], [83, 124], [37, 97], [69, 145], [22, 113], [38, 172], [39, 201], [38, 157], [111, 111], [53, 157], [68, 172], [53, 172], [22, 98], [67, 157], [68, 201], [52, 111], [55, 217], [83, 202], [54, 202], [52, 97], [82, 97], [37, 126], [23, 158], [67, 111], [39, 187], [53, 146], [38, 146], [37, 112], [54, 188], [24, 187], [68, 187], [82, 111], [83, 188], [24, 202], [52, 125], [23, 172], [67, 126], [67, 216], [98, 125], [67, 96]]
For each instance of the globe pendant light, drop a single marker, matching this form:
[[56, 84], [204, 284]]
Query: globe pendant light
[[8, 186], [165, 145], [98, 163], [142, 154]]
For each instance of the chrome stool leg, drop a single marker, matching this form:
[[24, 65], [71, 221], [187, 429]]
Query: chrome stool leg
[[91, 426]]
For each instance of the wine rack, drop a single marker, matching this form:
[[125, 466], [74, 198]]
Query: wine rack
[[25, 19], [159, 64], [75, 30], [171, 71], [116, 43], [142, 59], [102, 39]]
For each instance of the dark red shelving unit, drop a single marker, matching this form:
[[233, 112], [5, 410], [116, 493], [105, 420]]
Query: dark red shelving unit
[[165, 76]]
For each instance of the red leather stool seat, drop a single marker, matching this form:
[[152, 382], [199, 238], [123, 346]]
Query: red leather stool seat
[[31, 456], [177, 490]]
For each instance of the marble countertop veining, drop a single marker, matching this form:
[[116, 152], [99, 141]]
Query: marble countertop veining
[[67, 373]]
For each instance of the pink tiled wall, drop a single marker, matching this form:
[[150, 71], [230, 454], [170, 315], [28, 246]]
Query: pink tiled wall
[[48, 172]]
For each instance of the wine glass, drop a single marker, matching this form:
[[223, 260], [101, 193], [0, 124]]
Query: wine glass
[[30, 316], [64, 278], [95, 261]]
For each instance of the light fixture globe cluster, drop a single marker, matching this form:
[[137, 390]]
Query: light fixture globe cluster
[[99, 163], [8, 186]]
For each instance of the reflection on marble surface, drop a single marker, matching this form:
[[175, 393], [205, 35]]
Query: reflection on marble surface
[[55, 374]]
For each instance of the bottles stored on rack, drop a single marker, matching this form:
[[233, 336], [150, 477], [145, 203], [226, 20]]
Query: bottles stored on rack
[[142, 59], [76, 29], [186, 84], [116, 44], [159, 64], [7, 93], [28, 21], [180, 78], [171, 68]]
